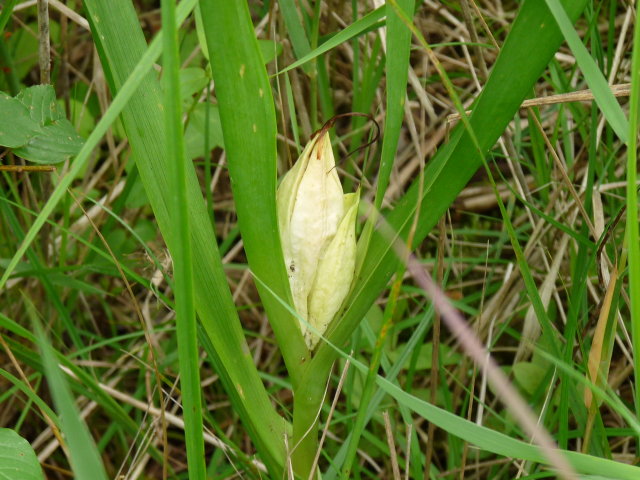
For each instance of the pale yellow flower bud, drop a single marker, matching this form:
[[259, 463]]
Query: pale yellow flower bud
[[317, 231]]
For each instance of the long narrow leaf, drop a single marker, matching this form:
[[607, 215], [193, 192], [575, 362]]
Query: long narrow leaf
[[5, 15], [120, 43], [186, 327], [84, 457], [530, 45], [397, 65], [346, 34], [249, 126], [397, 70], [592, 74], [500, 443], [298, 36], [633, 236], [486, 438]]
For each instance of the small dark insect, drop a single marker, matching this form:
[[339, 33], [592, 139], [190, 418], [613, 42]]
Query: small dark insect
[[292, 267]]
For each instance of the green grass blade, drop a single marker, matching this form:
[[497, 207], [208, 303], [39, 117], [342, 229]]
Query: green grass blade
[[84, 457], [397, 72], [249, 126], [182, 255], [491, 440], [391, 375], [356, 28], [525, 54], [633, 237], [85, 384], [397, 65], [501, 444], [28, 392], [298, 36], [128, 88], [120, 42], [514, 73], [592, 74], [131, 275], [295, 29], [5, 15], [41, 272]]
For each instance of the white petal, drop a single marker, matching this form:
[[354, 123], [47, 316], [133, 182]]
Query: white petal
[[335, 272], [285, 200], [286, 194], [315, 217]]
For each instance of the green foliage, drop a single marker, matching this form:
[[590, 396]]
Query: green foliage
[[84, 456], [201, 128], [142, 119], [17, 460], [108, 299], [34, 127], [248, 120]]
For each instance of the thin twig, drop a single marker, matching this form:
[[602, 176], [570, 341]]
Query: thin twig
[[622, 90], [27, 168], [408, 462], [395, 468], [44, 48]]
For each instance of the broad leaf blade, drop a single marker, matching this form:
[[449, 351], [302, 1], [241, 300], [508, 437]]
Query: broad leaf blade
[[17, 458], [16, 125], [54, 143], [41, 102], [32, 124]]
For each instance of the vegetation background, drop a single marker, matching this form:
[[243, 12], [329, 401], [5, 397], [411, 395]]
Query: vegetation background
[[507, 165]]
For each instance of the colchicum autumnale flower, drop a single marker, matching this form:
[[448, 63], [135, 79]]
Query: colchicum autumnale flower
[[317, 230]]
